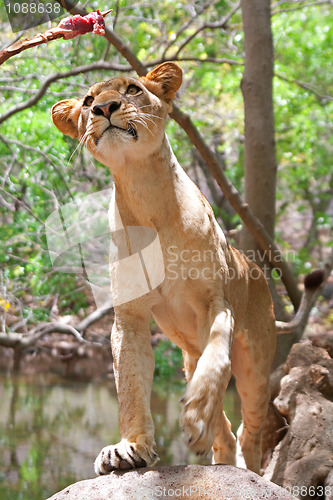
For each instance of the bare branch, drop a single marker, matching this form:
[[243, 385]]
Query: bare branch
[[24, 205], [216, 25], [23, 341], [38, 151], [307, 86], [46, 329], [95, 316], [214, 60], [300, 7], [309, 298], [185, 26], [14, 340], [99, 65]]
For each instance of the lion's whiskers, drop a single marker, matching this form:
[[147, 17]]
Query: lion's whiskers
[[79, 146], [143, 118], [140, 119]]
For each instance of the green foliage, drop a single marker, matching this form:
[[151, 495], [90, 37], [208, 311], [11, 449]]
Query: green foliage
[[168, 361], [303, 108]]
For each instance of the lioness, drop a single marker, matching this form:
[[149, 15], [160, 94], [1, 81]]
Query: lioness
[[214, 303]]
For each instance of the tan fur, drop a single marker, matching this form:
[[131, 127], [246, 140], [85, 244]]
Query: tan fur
[[217, 308]]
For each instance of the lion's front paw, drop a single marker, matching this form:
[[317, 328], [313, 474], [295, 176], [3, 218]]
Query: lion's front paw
[[198, 419], [124, 455]]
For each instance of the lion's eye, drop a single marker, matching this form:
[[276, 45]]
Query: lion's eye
[[88, 101], [133, 90]]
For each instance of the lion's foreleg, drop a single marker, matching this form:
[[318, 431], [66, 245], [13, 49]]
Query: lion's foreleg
[[133, 367], [202, 402]]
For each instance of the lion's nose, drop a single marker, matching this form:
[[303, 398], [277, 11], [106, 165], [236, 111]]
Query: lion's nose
[[106, 109]]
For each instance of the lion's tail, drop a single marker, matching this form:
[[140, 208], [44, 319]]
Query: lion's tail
[[311, 284]]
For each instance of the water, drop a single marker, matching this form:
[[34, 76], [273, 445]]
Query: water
[[52, 429]]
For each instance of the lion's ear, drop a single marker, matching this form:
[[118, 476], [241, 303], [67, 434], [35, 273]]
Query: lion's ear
[[65, 116], [164, 80]]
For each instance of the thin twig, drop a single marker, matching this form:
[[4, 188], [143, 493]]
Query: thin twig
[[212, 26], [306, 86], [38, 151], [301, 7], [185, 26], [24, 205], [99, 65]]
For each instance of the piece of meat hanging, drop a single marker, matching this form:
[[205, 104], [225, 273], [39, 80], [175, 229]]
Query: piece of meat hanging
[[72, 26]]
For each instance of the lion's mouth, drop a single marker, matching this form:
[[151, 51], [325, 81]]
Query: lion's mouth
[[130, 130]]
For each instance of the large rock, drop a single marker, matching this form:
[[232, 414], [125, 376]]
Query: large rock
[[221, 482], [303, 460]]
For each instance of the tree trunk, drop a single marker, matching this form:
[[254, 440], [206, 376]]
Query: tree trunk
[[260, 160], [256, 85]]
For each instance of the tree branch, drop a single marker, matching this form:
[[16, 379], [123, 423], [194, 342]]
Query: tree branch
[[114, 39], [94, 317], [99, 65], [14, 340], [309, 298], [24, 205], [212, 26], [38, 151], [302, 6], [22, 341], [185, 26], [306, 86]]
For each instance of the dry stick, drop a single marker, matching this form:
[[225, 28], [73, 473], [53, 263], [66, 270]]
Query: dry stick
[[21, 45], [216, 25], [13, 339], [186, 25], [99, 65], [266, 243], [95, 316]]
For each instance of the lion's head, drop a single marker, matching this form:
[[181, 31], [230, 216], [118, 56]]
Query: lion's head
[[121, 112]]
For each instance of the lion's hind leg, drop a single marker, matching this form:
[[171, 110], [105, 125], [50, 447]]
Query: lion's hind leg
[[251, 363], [205, 390], [224, 447]]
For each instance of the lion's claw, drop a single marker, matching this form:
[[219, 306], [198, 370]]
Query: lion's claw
[[123, 456]]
